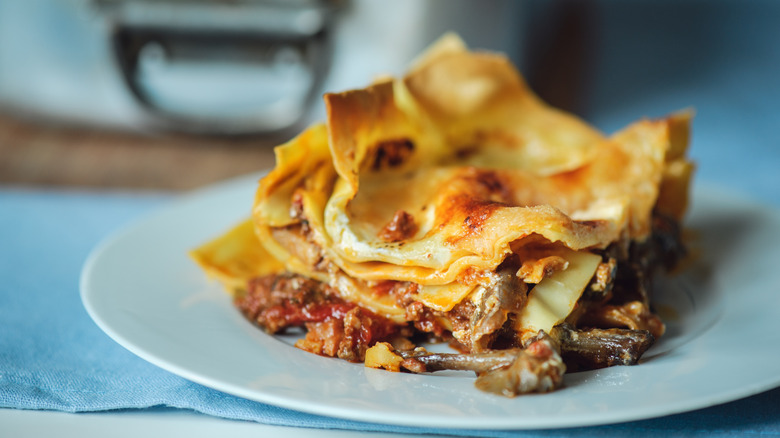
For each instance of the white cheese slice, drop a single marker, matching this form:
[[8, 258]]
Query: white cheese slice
[[553, 299]]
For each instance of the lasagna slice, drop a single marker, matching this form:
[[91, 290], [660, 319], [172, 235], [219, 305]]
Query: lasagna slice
[[453, 205]]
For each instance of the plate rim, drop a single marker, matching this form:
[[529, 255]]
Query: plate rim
[[584, 419]]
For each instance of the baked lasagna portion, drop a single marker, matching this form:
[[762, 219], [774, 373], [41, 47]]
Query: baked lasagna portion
[[453, 205]]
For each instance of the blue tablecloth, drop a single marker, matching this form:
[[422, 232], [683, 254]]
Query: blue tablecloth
[[52, 356], [724, 61]]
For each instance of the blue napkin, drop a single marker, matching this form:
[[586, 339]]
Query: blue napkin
[[53, 357]]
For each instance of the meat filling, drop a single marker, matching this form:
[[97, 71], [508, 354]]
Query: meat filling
[[334, 327], [613, 323], [401, 227]]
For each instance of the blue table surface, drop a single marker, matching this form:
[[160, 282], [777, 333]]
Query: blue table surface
[[728, 71]]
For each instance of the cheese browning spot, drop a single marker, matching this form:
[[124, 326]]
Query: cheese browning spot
[[487, 184], [475, 213], [392, 153]]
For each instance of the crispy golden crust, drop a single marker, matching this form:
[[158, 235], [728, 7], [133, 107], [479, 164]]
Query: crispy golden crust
[[442, 177]]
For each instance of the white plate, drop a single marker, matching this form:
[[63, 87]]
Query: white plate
[[722, 343]]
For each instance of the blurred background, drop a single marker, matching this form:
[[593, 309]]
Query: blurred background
[[176, 94]]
